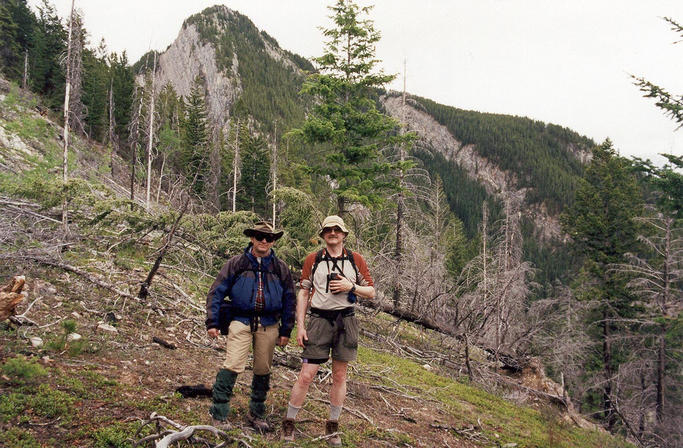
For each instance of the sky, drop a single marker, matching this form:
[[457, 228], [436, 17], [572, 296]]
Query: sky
[[566, 62]]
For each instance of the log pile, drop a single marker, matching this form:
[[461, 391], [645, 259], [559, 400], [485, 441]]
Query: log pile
[[10, 296]]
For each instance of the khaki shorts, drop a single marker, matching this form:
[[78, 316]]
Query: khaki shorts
[[327, 334]]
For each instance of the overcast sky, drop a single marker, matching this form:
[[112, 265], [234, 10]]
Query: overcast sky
[[560, 61]]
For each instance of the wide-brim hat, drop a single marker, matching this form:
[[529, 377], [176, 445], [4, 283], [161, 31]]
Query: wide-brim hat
[[332, 221], [263, 227]]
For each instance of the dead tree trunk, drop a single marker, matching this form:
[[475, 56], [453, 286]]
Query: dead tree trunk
[[398, 250], [151, 134], [274, 169], [235, 166], [144, 288], [113, 141], [67, 96], [24, 80]]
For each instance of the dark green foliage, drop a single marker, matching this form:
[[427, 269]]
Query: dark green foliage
[[345, 122], [95, 94], [49, 45], [664, 185], [553, 259], [10, 52], [465, 195], [539, 154], [196, 137], [122, 81], [602, 226], [269, 87], [601, 219], [255, 176]]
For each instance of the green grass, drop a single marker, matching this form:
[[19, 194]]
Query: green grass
[[18, 438], [43, 402], [513, 423]]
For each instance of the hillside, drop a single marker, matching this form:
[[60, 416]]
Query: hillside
[[408, 388]]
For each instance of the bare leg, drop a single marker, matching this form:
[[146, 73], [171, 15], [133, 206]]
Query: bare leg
[[338, 390], [300, 388]]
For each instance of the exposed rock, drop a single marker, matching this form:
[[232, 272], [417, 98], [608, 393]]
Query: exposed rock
[[36, 341], [185, 59], [107, 327], [497, 182], [73, 337]]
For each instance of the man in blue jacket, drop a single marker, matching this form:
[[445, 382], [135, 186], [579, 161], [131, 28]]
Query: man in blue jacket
[[253, 301]]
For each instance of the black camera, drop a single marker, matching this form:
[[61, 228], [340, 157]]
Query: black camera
[[331, 276]]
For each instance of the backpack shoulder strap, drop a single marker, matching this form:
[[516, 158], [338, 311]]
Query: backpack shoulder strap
[[318, 259], [352, 259]]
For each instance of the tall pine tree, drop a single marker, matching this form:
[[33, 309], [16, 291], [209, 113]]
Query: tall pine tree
[[602, 226], [345, 122]]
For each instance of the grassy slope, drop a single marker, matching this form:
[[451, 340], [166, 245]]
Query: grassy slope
[[98, 391]]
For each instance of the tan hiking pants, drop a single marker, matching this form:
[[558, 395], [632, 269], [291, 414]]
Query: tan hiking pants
[[240, 338]]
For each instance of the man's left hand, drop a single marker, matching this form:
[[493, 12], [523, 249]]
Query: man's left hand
[[282, 341]]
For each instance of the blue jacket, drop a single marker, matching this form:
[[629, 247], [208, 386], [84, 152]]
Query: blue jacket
[[233, 293]]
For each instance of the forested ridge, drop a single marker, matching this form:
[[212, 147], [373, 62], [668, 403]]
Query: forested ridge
[[151, 179], [542, 156]]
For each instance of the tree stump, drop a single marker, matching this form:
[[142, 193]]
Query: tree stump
[[10, 296]]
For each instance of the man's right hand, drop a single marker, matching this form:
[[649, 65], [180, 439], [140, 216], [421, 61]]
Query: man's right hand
[[301, 336], [213, 332]]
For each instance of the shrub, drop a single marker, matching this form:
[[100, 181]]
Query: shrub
[[23, 369]]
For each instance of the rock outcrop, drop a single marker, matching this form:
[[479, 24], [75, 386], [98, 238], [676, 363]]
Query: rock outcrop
[[188, 57], [497, 182]]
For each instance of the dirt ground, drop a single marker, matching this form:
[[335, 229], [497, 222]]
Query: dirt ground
[[148, 372]]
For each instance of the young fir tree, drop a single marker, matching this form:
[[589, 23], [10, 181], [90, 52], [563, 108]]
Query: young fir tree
[[196, 136], [255, 172], [602, 226], [345, 122]]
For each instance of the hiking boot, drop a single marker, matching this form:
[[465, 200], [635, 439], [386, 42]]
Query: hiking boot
[[258, 423], [288, 430], [221, 424], [331, 427]]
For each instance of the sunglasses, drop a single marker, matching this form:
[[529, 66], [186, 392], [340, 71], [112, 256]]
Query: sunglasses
[[264, 236], [337, 229]]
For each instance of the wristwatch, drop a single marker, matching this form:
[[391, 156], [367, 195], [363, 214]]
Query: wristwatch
[[353, 288]]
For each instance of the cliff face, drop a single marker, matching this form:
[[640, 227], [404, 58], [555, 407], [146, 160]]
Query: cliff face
[[232, 56], [498, 183], [189, 57]]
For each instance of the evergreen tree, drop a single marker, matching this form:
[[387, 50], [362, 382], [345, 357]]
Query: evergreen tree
[[196, 136], [602, 226], [255, 175], [49, 46], [123, 85], [9, 50], [671, 104], [345, 122]]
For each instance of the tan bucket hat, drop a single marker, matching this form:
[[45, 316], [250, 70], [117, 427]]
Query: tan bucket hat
[[265, 228], [332, 221]]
